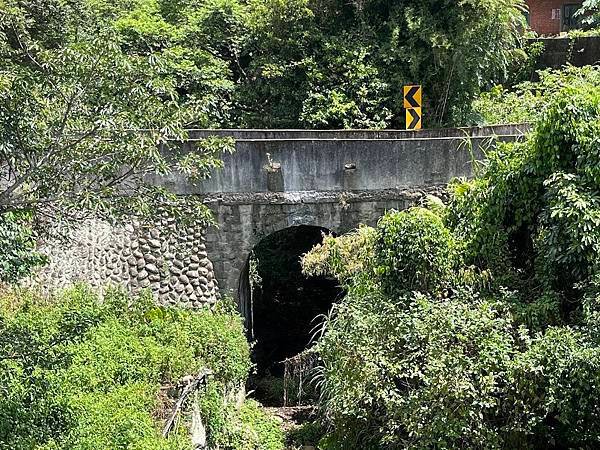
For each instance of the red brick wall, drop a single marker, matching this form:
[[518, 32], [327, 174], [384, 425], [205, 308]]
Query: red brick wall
[[540, 15]]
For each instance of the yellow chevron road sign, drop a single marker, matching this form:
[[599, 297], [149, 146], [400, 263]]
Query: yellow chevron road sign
[[413, 96], [413, 119]]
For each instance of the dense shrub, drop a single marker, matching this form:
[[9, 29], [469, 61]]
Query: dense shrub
[[258, 431], [540, 198], [556, 386], [79, 373], [408, 251], [526, 101], [427, 374], [309, 433], [476, 325], [414, 251]]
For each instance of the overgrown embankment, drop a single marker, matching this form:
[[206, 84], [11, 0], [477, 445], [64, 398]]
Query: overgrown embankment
[[80, 373], [476, 324]]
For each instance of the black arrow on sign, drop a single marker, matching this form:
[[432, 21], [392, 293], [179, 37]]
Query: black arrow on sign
[[410, 96], [415, 118]]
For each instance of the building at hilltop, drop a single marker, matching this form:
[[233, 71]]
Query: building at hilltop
[[552, 17]]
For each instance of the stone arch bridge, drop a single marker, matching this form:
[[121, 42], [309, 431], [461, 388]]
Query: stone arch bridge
[[276, 179]]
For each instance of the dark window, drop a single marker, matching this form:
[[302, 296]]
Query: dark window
[[570, 20]]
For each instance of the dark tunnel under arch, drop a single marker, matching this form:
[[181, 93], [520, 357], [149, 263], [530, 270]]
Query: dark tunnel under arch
[[279, 313]]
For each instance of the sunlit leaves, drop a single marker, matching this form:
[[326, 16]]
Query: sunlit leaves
[[17, 247], [84, 123]]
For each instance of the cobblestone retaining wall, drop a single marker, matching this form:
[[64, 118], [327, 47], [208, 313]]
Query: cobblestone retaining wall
[[171, 262], [177, 264]]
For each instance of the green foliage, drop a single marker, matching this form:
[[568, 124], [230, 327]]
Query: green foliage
[[408, 251], [477, 326], [292, 63], [272, 390], [339, 64], [555, 384], [527, 101], [348, 91], [499, 105], [345, 257], [250, 428], [116, 419], [414, 252], [309, 433], [259, 430], [17, 248], [542, 192], [77, 373], [589, 14], [524, 62], [482, 243], [72, 92], [416, 372]]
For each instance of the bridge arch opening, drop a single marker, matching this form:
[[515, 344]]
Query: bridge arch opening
[[280, 304]]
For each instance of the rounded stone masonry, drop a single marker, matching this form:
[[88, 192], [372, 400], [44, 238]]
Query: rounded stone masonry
[[168, 259]]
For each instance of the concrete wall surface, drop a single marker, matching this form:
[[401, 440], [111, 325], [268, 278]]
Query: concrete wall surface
[[582, 51]]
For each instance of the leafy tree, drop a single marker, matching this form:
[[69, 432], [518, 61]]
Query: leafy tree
[[83, 123], [343, 64], [17, 247], [589, 13]]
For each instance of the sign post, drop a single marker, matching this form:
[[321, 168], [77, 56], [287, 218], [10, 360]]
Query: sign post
[[412, 103]]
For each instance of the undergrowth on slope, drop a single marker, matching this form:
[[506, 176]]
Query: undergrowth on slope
[[475, 324], [80, 373]]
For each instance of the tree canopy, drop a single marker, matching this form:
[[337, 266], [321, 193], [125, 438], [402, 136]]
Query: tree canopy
[[305, 63]]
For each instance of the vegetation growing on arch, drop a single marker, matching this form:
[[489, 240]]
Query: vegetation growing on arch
[[499, 346]]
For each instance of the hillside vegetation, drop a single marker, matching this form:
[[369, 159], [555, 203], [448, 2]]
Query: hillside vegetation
[[290, 63], [475, 324], [79, 373]]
